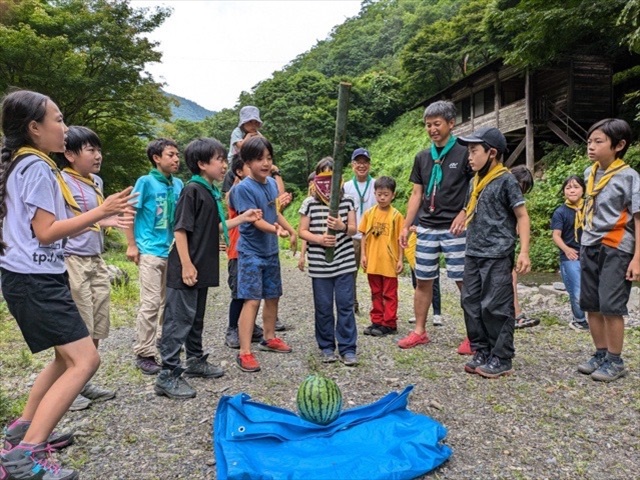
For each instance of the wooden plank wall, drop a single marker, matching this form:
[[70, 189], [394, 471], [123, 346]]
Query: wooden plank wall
[[592, 90]]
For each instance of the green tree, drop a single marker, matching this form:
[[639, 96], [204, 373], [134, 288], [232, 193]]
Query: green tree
[[445, 50], [532, 33], [89, 56]]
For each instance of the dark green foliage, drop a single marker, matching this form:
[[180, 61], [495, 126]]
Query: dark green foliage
[[89, 56], [319, 400]]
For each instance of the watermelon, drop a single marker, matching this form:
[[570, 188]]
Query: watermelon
[[319, 400]]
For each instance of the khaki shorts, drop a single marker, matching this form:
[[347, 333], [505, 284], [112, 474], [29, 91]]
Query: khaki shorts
[[90, 289]]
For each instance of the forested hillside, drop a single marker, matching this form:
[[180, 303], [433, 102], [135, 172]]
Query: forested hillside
[[185, 109]]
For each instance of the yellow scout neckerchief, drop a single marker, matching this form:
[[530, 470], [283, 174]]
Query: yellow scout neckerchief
[[478, 185]]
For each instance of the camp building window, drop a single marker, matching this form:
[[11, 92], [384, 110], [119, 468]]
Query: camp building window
[[483, 102], [463, 110]]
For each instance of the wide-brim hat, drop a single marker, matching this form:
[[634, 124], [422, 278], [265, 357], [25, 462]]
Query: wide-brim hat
[[249, 113]]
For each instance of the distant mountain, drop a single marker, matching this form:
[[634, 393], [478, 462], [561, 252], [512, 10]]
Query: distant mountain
[[187, 109]]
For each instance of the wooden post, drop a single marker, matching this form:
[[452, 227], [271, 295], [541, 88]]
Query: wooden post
[[528, 128], [338, 161]]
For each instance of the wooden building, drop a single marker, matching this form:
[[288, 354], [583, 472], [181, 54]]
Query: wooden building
[[554, 103]]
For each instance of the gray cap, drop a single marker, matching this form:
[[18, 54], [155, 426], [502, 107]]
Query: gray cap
[[489, 135], [249, 113]]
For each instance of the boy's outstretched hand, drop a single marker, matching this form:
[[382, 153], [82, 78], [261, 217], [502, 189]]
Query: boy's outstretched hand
[[281, 232], [251, 215]]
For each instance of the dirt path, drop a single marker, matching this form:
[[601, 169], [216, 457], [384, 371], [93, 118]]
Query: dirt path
[[545, 422]]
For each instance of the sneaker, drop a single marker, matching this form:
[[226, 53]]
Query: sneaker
[[231, 339], [437, 320], [328, 356], [465, 347], [495, 367], [147, 365], [349, 359], [593, 364], [257, 334], [609, 371], [579, 326], [412, 320], [479, 358], [367, 330], [274, 345], [247, 362], [280, 327], [522, 321], [413, 340], [80, 403], [97, 394], [382, 331], [33, 463], [171, 384], [199, 367], [15, 432]]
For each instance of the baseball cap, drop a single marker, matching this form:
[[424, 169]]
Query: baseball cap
[[360, 152], [249, 113], [489, 135]]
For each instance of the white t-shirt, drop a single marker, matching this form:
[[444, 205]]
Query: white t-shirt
[[362, 203], [31, 185]]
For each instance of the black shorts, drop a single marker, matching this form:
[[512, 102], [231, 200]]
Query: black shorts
[[43, 307], [603, 287]]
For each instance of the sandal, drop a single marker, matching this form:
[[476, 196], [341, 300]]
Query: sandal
[[522, 321]]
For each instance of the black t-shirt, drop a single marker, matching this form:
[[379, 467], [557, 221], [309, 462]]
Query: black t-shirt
[[450, 197], [197, 214], [492, 231], [227, 183]]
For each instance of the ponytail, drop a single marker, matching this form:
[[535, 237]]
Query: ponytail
[[19, 109], [5, 161]]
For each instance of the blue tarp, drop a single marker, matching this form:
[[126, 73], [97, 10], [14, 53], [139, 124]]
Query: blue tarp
[[383, 440]]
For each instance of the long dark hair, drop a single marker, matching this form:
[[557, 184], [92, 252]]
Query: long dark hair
[[19, 109]]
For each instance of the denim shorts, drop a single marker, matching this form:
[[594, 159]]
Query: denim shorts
[[43, 308], [259, 277]]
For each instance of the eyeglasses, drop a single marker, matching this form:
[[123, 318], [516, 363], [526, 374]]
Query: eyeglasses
[[361, 162]]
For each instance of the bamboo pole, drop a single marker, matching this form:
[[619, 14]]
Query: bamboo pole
[[338, 161]]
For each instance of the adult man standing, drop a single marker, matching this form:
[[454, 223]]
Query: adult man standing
[[360, 188], [440, 178]]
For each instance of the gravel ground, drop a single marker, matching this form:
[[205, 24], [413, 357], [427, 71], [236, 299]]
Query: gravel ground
[[545, 422]]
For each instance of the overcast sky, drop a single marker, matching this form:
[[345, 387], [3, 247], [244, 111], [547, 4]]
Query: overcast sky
[[215, 49]]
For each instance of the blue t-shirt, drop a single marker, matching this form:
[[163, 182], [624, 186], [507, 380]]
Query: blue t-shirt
[[563, 219], [152, 228], [250, 194]]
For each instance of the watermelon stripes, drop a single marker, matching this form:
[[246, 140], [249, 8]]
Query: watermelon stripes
[[319, 400]]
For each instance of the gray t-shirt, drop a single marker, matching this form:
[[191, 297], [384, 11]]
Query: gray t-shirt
[[31, 186], [492, 231], [91, 242], [615, 206]]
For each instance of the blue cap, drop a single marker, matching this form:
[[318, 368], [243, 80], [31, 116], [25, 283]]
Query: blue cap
[[360, 152]]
